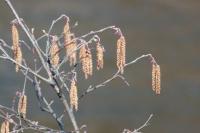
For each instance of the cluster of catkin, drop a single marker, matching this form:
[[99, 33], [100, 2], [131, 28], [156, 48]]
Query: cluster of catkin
[[121, 53], [16, 47], [156, 78], [85, 56]]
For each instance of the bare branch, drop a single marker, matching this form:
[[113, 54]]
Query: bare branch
[[92, 88], [141, 127]]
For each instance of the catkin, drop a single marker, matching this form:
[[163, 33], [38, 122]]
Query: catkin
[[16, 48], [66, 29], [22, 105], [15, 37], [121, 53], [18, 58], [71, 51], [89, 62], [69, 44], [156, 87], [99, 52], [86, 60], [54, 52], [67, 36], [153, 77], [5, 127], [74, 95]]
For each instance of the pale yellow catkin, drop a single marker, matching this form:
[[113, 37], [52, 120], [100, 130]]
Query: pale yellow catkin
[[100, 53], [121, 54], [156, 79], [22, 105], [54, 52], [5, 127], [74, 95], [16, 48]]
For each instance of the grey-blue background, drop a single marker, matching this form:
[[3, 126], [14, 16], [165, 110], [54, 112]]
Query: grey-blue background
[[169, 29]]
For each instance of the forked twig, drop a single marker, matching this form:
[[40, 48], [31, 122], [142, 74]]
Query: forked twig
[[141, 127], [115, 75]]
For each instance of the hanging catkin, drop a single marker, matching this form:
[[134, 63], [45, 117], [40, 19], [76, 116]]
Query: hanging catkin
[[22, 105], [99, 52], [16, 48], [70, 44], [156, 78], [86, 60], [74, 95], [54, 52], [89, 62], [5, 127], [71, 51], [67, 36], [121, 53]]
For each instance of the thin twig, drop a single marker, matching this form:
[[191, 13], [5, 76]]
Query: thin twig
[[115, 75], [141, 127]]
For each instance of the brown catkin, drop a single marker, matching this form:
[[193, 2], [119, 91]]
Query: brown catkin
[[99, 52], [82, 56], [86, 60], [121, 53], [156, 82], [18, 58], [153, 77], [15, 37], [66, 29], [74, 95], [22, 105], [71, 51], [82, 53], [54, 52], [67, 36], [5, 127], [69, 44], [89, 61], [16, 48]]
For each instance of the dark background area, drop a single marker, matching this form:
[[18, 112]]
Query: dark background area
[[168, 29]]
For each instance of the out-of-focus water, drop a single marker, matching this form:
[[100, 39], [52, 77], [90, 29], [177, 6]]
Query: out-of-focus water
[[169, 30]]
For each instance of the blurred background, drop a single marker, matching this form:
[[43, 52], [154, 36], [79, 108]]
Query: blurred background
[[168, 29]]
